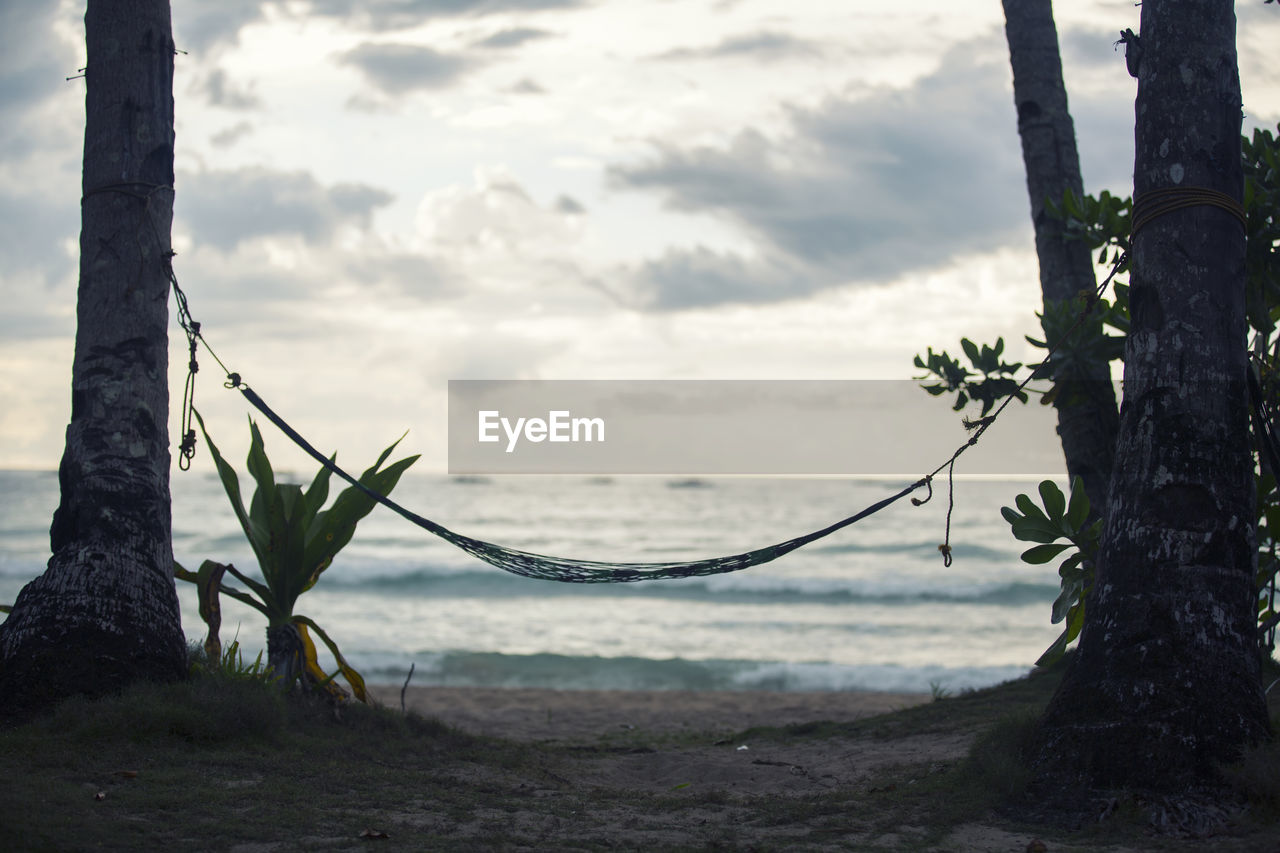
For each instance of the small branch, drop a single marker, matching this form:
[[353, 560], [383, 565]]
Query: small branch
[[406, 687]]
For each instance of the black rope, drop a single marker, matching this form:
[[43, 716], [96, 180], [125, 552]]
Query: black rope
[[1153, 204], [945, 547]]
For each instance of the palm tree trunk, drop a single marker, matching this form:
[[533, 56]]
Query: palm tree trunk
[[1165, 686], [105, 611], [1086, 403]]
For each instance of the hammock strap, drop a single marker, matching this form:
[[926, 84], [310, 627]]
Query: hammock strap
[[567, 570]]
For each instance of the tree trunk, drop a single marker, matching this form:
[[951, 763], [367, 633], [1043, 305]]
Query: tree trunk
[[1086, 402], [1166, 686], [105, 611]]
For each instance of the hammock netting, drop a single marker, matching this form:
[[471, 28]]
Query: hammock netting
[[568, 570]]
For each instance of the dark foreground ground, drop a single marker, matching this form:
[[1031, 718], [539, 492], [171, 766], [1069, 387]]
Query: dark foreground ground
[[224, 763]]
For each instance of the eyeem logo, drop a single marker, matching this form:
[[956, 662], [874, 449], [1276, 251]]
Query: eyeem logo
[[711, 427], [558, 426]]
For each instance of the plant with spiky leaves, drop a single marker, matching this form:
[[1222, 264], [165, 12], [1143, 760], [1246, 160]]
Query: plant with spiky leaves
[[294, 539]]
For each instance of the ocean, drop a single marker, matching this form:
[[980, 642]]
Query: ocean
[[871, 607]]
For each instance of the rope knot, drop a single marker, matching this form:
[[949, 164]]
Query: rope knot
[[928, 481], [187, 450]]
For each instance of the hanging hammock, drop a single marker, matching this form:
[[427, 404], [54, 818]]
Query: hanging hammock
[[563, 569]]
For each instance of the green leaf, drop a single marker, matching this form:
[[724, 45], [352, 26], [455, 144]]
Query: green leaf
[[971, 350], [1043, 553], [1055, 652], [231, 485], [318, 493], [1035, 533], [1054, 503], [1033, 526], [1066, 599], [262, 505], [1029, 508], [1075, 619], [1071, 568], [266, 604], [1078, 511], [333, 529]]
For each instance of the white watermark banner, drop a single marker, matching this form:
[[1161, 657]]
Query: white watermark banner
[[726, 427]]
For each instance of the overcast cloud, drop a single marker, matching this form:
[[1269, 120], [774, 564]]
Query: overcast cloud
[[385, 15], [559, 189], [859, 189], [225, 208], [400, 68], [509, 38], [763, 46]]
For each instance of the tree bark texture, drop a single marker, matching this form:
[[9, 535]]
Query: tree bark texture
[[105, 611], [1088, 419], [1166, 683]]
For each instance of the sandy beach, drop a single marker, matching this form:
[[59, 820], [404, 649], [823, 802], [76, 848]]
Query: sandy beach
[[530, 714]]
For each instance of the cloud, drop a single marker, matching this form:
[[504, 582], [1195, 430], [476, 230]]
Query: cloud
[[226, 208], [384, 15], [400, 68], [33, 60], [34, 64], [37, 228], [1087, 47], [229, 136], [525, 86], [569, 206], [858, 189], [202, 27], [199, 27], [765, 46], [513, 37], [494, 217], [507, 246], [701, 277], [221, 92]]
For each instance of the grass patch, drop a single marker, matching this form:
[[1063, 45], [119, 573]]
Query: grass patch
[[217, 761]]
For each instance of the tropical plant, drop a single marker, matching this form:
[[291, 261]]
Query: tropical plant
[[1060, 519], [294, 540]]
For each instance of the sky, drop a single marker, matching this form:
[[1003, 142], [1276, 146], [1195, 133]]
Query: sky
[[374, 197]]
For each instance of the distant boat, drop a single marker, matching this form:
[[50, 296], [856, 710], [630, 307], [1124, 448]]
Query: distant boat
[[600, 481], [471, 480], [692, 483]]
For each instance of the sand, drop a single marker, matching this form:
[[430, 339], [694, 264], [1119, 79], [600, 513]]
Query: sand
[[530, 714], [612, 749]]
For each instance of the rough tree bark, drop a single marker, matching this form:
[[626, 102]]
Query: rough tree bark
[[105, 611], [1166, 683], [1088, 419]]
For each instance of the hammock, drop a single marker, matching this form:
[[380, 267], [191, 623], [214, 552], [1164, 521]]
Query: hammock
[[568, 570]]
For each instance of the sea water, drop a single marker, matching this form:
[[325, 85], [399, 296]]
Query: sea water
[[872, 607]]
